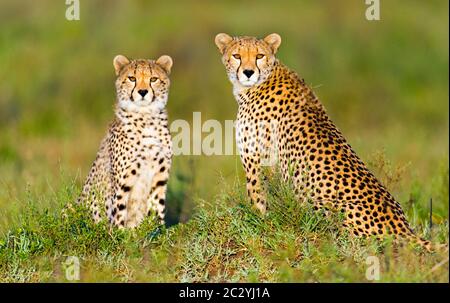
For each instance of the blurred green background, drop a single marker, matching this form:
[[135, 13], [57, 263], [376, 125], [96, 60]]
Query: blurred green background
[[384, 84]]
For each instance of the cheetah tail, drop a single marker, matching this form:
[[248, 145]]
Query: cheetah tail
[[427, 245]]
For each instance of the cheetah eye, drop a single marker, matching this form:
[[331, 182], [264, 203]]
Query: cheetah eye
[[132, 79], [259, 56], [237, 56], [153, 79]]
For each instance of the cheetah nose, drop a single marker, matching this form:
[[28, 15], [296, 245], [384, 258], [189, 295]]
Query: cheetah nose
[[143, 92], [248, 73]]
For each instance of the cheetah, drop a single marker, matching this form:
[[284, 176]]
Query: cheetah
[[278, 113], [129, 176]]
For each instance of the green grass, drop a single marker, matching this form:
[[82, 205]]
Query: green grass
[[225, 241]]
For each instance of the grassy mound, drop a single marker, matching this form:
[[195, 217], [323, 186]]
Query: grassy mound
[[225, 240]]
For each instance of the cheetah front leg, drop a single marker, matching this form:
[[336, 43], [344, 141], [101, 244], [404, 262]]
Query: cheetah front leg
[[254, 183], [257, 144], [117, 205], [157, 200], [247, 142], [128, 190]]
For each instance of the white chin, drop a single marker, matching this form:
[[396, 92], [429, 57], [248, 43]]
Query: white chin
[[247, 83], [142, 102]]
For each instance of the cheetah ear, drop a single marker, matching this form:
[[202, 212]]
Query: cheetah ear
[[274, 41], [165, 62], [119, 62], [222, 40]]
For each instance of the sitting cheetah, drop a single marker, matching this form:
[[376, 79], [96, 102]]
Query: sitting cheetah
[[278, 112], [128, 178]]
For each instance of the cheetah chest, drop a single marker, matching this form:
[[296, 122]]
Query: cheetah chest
[[151, 150], [257, 130]]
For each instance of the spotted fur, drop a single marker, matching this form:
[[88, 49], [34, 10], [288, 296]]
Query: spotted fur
[[129, 175], [278, 113]]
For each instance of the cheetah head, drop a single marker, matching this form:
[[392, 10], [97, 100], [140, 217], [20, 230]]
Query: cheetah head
[[248, 60], [142, 83]]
